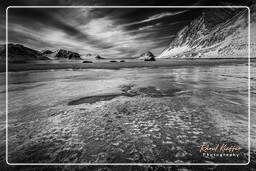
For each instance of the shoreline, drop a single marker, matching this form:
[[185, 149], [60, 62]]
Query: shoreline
[[119, 65]]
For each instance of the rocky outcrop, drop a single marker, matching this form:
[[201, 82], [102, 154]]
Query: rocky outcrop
[[217, 33], [18, 53], [147, 56], [65, 54]]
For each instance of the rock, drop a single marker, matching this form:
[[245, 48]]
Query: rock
[[87, 62], [122, 61], [18, 53], [112, 61], [147, 56]]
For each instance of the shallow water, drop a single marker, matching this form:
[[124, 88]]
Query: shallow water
[[129, 115]]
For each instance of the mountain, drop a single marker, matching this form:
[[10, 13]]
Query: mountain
[[63, 54], [147, 56], [19, 54], [216, 33]]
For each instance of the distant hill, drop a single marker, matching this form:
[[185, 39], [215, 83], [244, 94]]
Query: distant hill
[[18, 53]]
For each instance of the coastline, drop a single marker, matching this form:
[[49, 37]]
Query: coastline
[[118, 65]]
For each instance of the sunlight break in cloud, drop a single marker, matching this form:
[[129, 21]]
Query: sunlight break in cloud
[[106, 30]]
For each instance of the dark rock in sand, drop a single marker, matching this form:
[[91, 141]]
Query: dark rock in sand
[[113, 61], [150, 59], [87, 62], [122, 61], [147, 56], [18, 53]]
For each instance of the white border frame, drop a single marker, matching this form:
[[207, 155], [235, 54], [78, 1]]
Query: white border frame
[[137, 164]]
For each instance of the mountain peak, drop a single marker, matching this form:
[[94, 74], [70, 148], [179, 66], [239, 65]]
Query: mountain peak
[[214, 16], [216, 32]]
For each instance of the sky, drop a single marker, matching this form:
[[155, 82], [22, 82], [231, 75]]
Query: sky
[[109, 32]]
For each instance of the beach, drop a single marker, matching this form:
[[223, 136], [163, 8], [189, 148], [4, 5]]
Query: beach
[[130, 115]]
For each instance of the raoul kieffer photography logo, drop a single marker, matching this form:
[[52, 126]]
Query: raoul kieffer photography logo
[[219, 150]]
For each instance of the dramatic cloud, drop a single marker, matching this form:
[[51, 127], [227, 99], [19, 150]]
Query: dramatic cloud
[[124, 32], [110, 32]]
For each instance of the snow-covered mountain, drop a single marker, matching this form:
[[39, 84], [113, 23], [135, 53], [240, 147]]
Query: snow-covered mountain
[[217, 33]]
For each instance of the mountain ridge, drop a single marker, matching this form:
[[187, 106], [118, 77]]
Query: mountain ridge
[[226, 39]]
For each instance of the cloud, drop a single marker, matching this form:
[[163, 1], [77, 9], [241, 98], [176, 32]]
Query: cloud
[[107, 30], [100, 31], [156, 17], [165, 14], [51, 18], [149, 26], [54, 38]]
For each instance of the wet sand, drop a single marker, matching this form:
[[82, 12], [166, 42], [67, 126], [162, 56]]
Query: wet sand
[[138, 115], [174, 63]]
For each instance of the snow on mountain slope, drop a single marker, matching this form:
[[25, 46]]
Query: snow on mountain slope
[[217, 33]]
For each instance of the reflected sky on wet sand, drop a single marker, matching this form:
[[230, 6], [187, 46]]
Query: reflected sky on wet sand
[[127, 115]]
